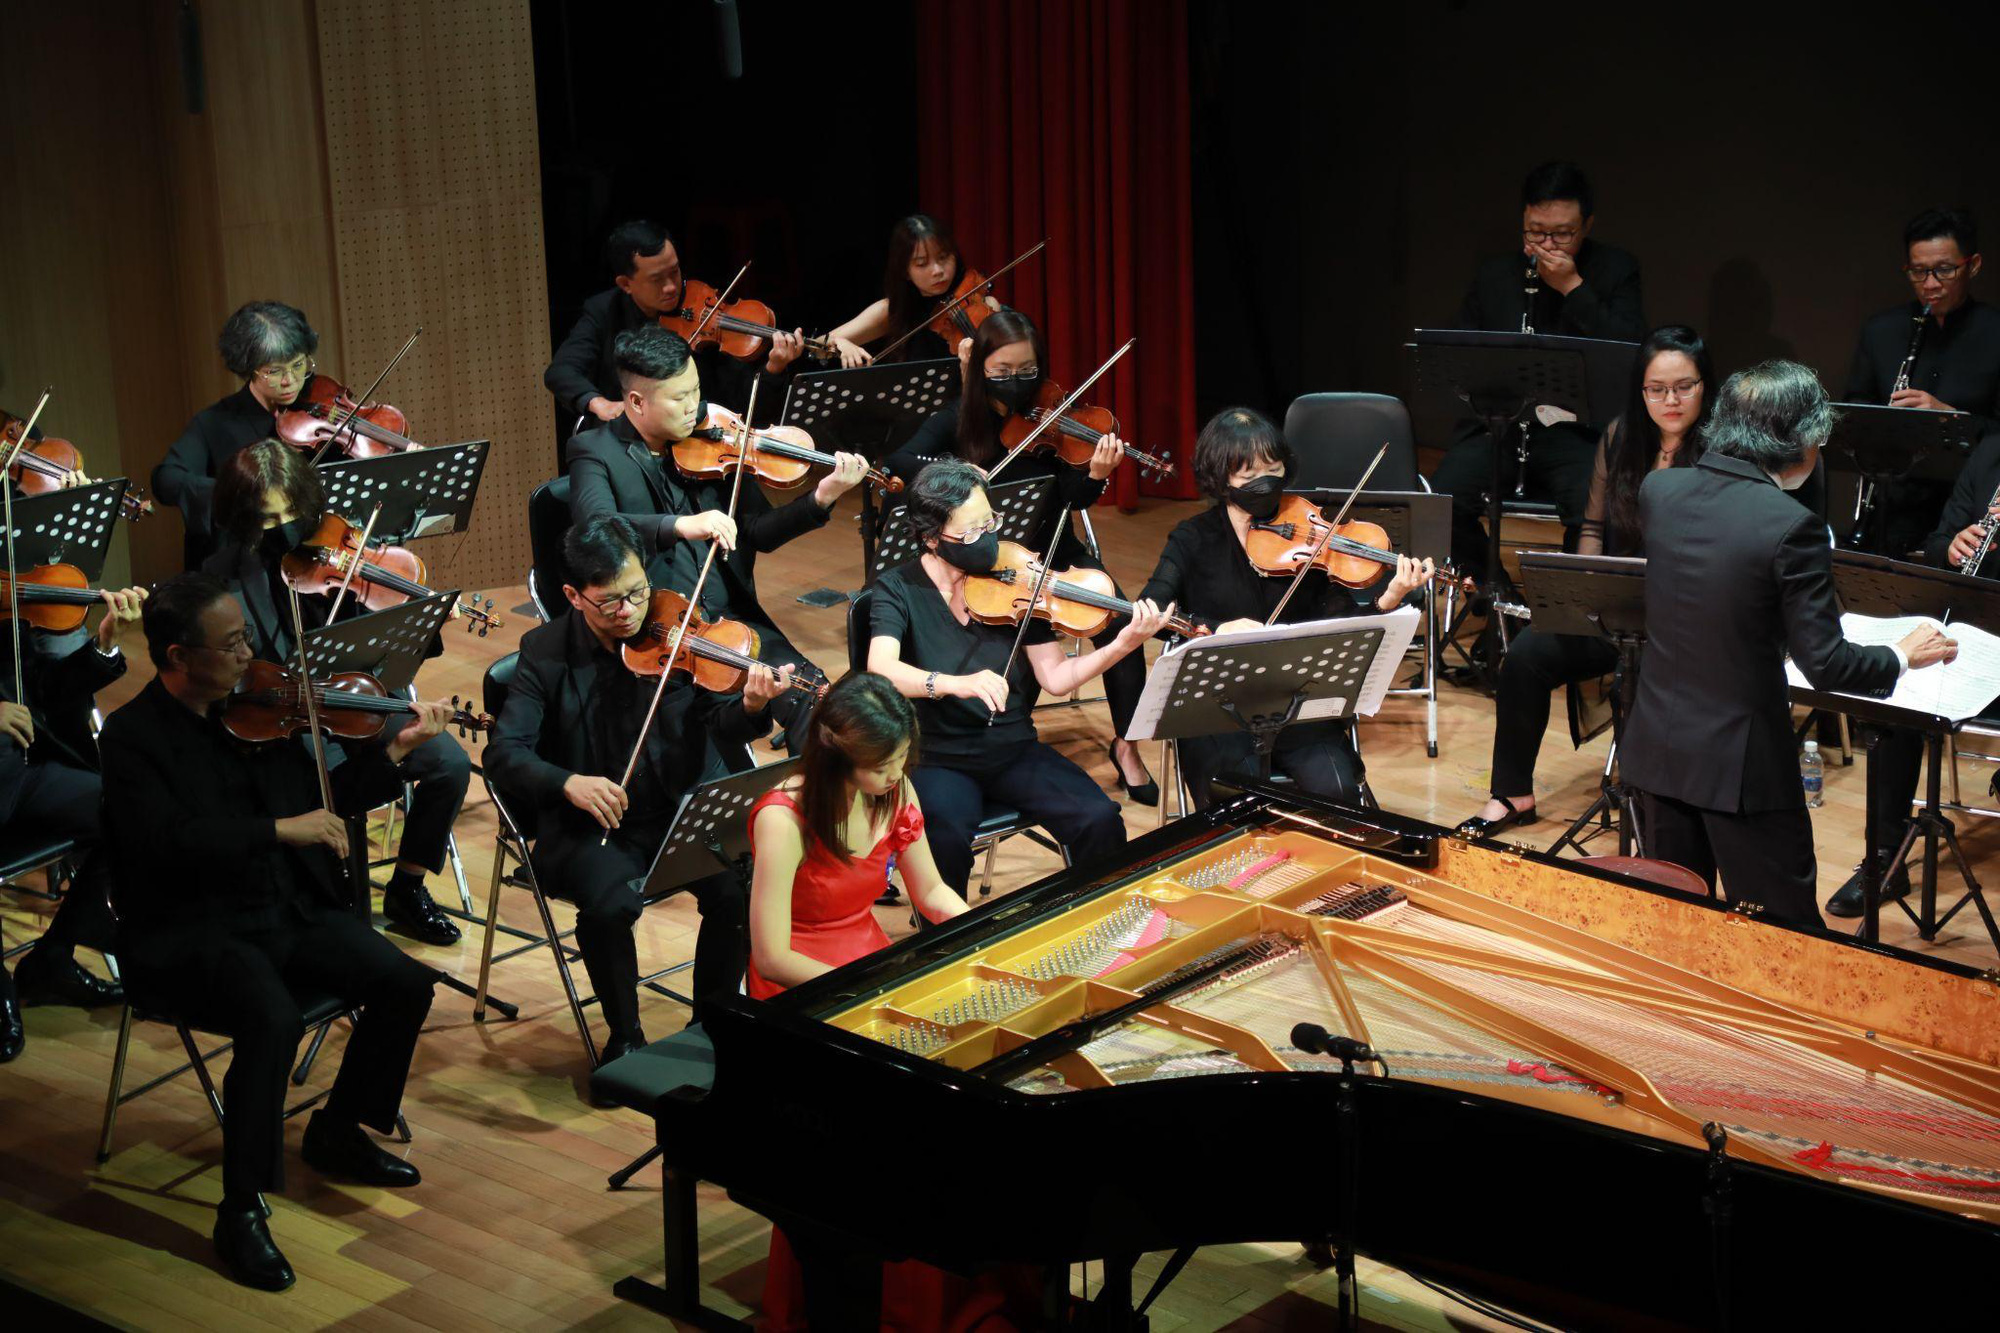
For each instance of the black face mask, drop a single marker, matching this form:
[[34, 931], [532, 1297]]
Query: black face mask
[[284, 538], [1259, 499], [1017, 394], [971, 557]]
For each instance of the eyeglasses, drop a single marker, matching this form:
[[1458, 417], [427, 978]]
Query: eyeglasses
[[637, 597], [1942, 272], [1680, 393], [991, 525], [296, 369], [1560, 236], [1024, 373]]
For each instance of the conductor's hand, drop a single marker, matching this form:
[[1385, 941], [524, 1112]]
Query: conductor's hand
[[761, 685], [430, 721], [17, 724], [1926, 646], [1411, 574], [710, 523], [785, 349], [848, 470], [604, 409], [1106, 457], [988, 687], [319, 827], [1147, 620], [852, 354], [600, 798]]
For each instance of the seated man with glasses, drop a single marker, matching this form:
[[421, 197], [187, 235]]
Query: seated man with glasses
[[1956, 368], [1560, 282], [559, 752], [269, 346]]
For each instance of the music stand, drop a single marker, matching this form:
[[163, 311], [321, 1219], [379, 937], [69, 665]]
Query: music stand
[[389, 644], [1875, 444], [1874, 585], [69, 527], [1016, 504], [423, 492], [1596, 596]]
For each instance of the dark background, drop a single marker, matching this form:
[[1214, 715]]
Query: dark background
[[1350, 165]]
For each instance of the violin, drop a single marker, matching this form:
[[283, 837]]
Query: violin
[[1354, 555], [44, 463], [268, 704], [1075, 435], [53, 597], [964, 308], [777, 455], [1079, 601], [742, 328], [717, 654], [321, 414], [388, 576]]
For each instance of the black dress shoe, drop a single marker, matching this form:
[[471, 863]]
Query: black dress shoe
[[622, 1045], [1481, 827], [13, 1035], [334, 1149], [1847, 899], [63, 981], [1145, 793], [418, 915], [248, 1252]]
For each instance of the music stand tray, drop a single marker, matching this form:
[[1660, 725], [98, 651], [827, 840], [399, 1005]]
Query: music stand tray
[[69, 527], [1898, 442], [711, 830], [423, 492], [389, 644], [1016, 504]]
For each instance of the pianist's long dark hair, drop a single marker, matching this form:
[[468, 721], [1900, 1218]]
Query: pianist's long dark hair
[[1632, 443], [861, 723]]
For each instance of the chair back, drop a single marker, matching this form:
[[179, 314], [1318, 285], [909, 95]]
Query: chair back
[[1336, 434], [857, 629], [548, 521], [493, 692]]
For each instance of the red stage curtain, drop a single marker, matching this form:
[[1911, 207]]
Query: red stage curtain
[[1069, 119]]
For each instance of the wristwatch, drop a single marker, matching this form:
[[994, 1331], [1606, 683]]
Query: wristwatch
[[930, 685]]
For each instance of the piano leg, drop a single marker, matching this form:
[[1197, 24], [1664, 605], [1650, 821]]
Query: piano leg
[[679, 1296]]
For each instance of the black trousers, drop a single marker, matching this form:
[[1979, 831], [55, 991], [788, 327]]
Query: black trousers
[[606, 883], [1559, 463], [1044, 786], [244, 984], [1536, 666], [1318, 756], [1764, 857], [439, 771], [61, 801]]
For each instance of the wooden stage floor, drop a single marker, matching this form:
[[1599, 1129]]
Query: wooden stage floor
[[513, 1225]]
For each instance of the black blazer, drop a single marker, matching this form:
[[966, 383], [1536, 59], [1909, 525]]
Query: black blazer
[[189, 817], [62, 673], [1607, 305], [1958, 361], [1971, 496], [611, 471], [1737, 573], [185, 478], [583, 368]]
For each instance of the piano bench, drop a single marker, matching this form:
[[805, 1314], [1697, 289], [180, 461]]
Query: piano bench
[[680, 1065]]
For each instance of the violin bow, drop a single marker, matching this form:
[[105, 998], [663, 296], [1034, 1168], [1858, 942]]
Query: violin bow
[[1325, 537], [687, 616], [958, 301], [715, 310], [13, 565], [312, 703], [1055, 416], [1034, 595], [360, 559], [366, 394]]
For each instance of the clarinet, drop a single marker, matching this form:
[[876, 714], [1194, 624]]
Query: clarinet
[[1531, 287], [1910, 357], [1977, 556]]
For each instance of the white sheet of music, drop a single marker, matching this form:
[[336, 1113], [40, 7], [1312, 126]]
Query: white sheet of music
[[1958, 690]]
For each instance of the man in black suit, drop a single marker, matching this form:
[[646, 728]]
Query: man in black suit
[[619, 468], [564, 735], [1565, 283], [1738, 573], [232, 895]]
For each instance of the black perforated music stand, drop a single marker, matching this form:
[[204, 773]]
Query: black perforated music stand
[[389, 644], [1876, 444], [71, 527], [423, 492], [1016, 504], [711, 830], [1596, 596]]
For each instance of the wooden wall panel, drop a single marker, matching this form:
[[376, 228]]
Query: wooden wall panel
[[435, 180]]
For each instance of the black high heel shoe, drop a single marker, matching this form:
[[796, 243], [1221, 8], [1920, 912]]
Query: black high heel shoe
[[1146, 793], [1480, 827]]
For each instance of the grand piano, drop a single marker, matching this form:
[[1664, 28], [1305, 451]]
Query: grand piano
[[1591, 1100]]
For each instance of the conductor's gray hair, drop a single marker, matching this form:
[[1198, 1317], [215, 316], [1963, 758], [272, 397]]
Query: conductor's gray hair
[[1770, 415]]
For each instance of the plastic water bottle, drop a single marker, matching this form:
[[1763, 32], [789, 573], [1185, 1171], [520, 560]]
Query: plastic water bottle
[[1813, 774]]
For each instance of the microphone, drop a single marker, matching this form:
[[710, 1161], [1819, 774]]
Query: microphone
[[729, 39], [1316, 1040]]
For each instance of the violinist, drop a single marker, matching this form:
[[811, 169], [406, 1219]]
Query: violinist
[[625, 467], [646, 283], [49, 782], [1241, 463], [563, 738], [267, 500], [269, 346], [923, 269], [1004, 368], [233, 901], [975, 695]]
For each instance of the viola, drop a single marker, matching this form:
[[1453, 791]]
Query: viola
[[387, 576], [44, 463], [777, 455], [269, 704], [716, 654], [742, 328], [324, 415], [1354, 555], [1075, 435], [53, 597], [1079, 601]]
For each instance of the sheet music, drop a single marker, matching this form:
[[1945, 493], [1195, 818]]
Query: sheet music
[[1958, 690]]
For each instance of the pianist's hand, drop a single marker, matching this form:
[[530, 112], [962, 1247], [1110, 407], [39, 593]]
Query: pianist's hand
[[600, 798]]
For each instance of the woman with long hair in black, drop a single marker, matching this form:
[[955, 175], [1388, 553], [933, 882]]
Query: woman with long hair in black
[[923, 267]]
